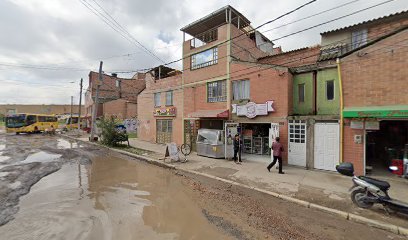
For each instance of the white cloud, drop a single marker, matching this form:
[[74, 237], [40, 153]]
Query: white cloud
[[60, 33]]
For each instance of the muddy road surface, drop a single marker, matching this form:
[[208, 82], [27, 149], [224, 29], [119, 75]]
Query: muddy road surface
[[53, 188]]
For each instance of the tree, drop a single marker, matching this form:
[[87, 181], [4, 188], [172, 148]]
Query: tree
[[110, 136]]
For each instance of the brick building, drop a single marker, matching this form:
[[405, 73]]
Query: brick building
[[40, 109], [159, 107], [117, 96], [374, 80]]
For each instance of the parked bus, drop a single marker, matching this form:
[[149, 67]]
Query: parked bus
[[73, 124], [30, 123]]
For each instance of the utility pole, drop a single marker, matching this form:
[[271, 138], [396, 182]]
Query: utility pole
[[80, 105], [70, 120], [96, 103]]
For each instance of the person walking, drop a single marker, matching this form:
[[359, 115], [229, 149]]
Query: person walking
[[277, 149], [237, 149]]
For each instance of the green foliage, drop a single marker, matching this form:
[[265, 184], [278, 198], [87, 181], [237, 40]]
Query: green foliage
[[109, 135]]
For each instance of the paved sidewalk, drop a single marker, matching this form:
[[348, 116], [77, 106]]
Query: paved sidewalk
[[329, 189]]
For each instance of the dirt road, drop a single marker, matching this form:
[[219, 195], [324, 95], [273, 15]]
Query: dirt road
[[52, 188]]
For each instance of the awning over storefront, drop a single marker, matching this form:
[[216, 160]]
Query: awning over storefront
[[217, 113], [394, 111]]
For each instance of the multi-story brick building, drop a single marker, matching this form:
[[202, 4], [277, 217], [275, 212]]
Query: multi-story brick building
[[222, 86], [159, 107], [117, 96], [375, 82]]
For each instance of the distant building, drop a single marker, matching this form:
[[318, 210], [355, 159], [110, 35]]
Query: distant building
[[41, 109], [117, 96]]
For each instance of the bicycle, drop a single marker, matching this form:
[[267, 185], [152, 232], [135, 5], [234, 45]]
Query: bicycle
[[185, 149]]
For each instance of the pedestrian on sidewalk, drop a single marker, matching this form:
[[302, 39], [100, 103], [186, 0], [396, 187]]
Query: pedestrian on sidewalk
[[237, 149], [277, 149]]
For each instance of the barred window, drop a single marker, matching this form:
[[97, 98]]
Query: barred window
[[217, 91], [204, 59]]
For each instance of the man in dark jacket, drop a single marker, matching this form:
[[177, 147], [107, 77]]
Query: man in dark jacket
[[237, 149]]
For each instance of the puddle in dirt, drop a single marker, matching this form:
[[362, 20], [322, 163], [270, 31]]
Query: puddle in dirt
[[3, 174], [4, 158], [2, 147], [110, 199], [41, 157], [64, 144]]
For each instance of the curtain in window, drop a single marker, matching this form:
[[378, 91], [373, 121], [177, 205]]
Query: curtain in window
[[240, 89], [358, 38]]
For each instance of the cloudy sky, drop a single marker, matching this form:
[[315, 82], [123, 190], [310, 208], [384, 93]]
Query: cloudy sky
[[47, 46]]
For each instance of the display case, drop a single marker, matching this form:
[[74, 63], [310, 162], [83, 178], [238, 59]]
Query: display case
[[247, 142], [257, 145], [210, 143]]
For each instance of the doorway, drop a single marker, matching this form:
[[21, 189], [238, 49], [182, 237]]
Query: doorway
[[297, 143], [385, 145]]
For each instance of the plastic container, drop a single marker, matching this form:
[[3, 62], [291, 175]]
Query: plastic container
[[397, 166], [345, 168]]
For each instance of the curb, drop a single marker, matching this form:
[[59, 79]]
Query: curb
[[348, 216]]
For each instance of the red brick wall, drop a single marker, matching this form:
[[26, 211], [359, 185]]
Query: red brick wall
[[374, 76], [244, 48], [116, 108], [131, 110], [353, 152], [145, 109]]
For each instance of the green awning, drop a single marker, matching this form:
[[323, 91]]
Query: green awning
[[394, 111]]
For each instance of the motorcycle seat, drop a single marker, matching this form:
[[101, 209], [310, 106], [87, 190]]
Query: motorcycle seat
[[383, 185]]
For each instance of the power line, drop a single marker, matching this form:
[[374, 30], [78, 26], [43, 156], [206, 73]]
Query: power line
[[112, 23]]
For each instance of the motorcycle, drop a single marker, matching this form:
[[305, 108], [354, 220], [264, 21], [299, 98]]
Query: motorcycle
[[367, 191]]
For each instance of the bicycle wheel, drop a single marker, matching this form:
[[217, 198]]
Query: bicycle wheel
[[185, 149]]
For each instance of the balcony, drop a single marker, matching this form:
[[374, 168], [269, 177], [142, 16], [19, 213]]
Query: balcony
[[204, 38]]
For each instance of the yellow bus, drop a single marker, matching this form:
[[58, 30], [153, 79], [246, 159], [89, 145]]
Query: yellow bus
[[73, 124], [30, 123]]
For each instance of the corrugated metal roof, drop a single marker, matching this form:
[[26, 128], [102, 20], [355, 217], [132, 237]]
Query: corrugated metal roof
[[367, 22]]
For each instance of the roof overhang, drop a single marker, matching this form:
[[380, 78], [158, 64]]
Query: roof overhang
[[216, 19], [394, 111]]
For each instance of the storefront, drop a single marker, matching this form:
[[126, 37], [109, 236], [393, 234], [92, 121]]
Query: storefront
[[257, 129], [381, 132]]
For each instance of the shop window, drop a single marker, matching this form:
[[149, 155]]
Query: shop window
[[169, 98], [240, 89], [358, 38], [301, 92], [157, 100], [217, 91], [204, 59], [330, 90]]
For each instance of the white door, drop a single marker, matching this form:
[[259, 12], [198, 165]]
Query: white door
[[297, 143], [326, 146], [230, 130]]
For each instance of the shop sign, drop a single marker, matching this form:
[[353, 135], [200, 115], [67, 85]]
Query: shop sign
[[251, 109], [357, 124], [165, 112], [372, 125]]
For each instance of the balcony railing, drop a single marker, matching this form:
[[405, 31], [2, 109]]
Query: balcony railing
[[204, 38]]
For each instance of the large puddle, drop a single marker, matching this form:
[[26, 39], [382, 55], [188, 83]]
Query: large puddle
[[111, 199], [41, 157]]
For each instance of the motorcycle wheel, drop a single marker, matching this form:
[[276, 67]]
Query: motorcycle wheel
[[357, 197]]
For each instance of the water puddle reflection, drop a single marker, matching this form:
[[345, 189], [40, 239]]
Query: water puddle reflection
[[110, 199], [64, 144], [41, 157]]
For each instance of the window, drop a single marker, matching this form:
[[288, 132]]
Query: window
[[41, 118], [157, 100], [31, 119], [301, 92], [330, 90], [217, 91], [204, 59], [358, 38], [240, 89], [117, 83], [169, 98]]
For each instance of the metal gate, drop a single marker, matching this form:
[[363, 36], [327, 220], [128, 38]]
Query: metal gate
[[297, 143]]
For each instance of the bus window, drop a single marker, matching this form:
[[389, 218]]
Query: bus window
[[15, 121], [41, 118], [31, 119], [51, 119]]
